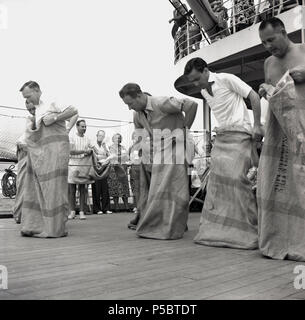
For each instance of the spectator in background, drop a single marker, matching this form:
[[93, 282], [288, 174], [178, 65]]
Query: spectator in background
[[180, 15], [100, 187], [182, 42], [195, 36], [244, 13], [221, 14], [80, 155], [117, 180]]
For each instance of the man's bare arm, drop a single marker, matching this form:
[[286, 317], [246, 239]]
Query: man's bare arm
[[77, 152], [258, 132], [256, 106], [72, 122], [266, 89], [86, 152], [69, 113], [298, 72]]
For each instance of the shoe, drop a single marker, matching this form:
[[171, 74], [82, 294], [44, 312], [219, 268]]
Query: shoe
[[71, 215], [132, 226], [108, 211], [133, 223], [100, 212], [82, 215]]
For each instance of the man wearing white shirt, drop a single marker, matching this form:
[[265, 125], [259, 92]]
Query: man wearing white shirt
[[229, 216], [45, 199], [225, 95]]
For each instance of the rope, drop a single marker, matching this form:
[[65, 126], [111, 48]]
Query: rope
[[120, 125], [8, 183], [101, 119], [91, 126], [13, 108], [9, 116], [80, 117]]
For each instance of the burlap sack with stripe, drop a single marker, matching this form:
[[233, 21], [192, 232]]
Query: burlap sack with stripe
[[45, 205], [281, 176], [229, 214]]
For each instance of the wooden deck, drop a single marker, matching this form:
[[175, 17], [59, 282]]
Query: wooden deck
[[102, 259], [6, 206]]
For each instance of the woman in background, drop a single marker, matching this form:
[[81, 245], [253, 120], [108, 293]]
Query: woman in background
[[117, 180]]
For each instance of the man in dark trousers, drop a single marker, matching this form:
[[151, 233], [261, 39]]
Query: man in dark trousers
[[100, 187]]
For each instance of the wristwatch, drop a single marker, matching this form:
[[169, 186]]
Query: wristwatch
[[55, 118]]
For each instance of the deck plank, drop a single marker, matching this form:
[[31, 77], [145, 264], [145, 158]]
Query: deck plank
[[102, 259]]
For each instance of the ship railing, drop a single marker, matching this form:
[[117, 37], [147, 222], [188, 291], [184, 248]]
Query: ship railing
[[187, 42]]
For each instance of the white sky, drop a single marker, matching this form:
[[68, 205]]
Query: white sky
[[83, 52]]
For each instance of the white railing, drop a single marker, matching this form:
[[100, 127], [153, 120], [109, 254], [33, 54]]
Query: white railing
[[188, 41]]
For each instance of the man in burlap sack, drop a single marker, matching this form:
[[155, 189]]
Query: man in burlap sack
[[164, 192], [229, 215], [281, 172], [45, 204]]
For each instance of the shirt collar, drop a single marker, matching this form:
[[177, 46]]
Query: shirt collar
[[212, 76], [149, 105], [77, 134]]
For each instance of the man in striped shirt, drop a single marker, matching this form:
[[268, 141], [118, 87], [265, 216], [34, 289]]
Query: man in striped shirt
[[81, 147]]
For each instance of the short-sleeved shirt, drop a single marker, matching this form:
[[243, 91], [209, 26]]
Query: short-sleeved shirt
[[79, 143], [102, 151], [227, 102], [45, 108], [161, 113]]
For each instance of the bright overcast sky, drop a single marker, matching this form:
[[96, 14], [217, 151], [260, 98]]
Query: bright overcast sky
[[83, 52]]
